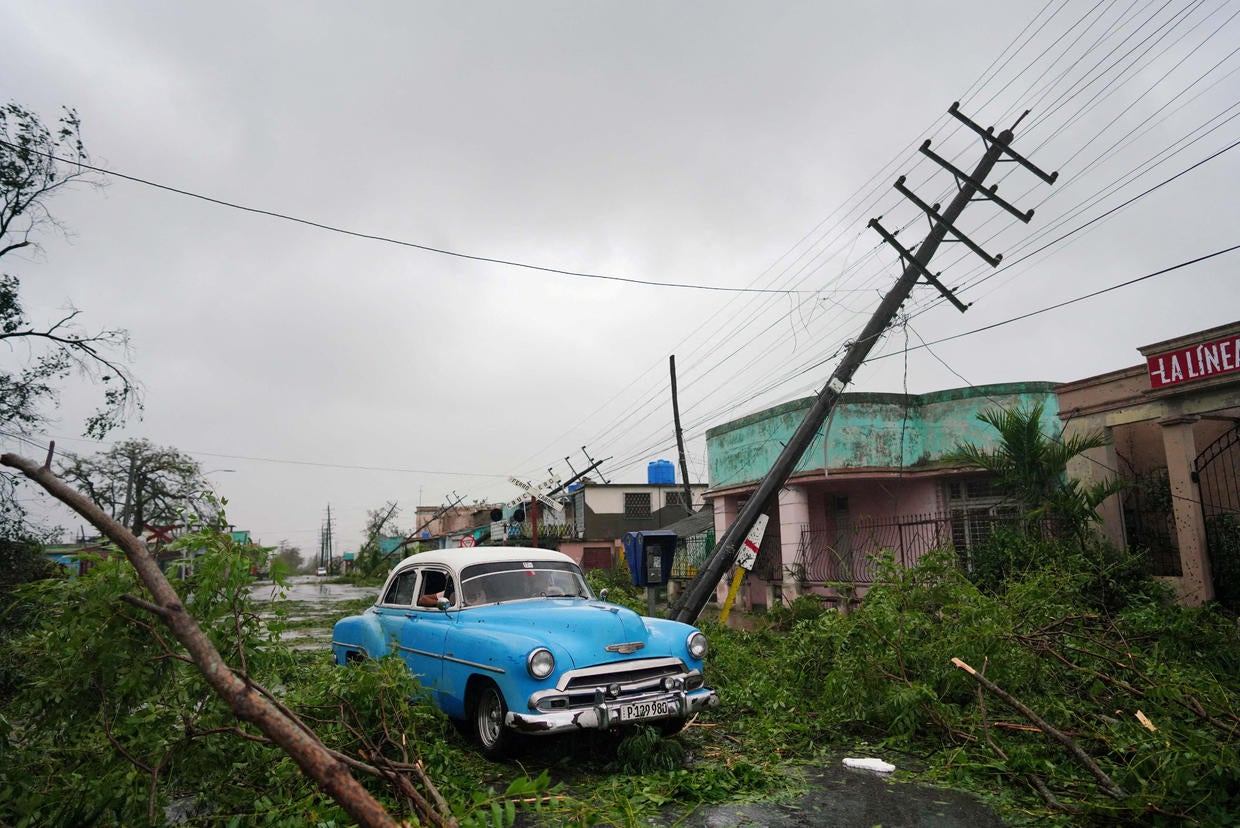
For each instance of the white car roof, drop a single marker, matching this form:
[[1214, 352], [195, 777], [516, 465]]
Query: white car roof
[[457, 559]]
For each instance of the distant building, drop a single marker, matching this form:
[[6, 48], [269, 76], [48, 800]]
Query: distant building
[[78, 558], [598, 515]]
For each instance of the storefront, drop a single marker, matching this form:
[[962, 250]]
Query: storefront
[[1174, 424]]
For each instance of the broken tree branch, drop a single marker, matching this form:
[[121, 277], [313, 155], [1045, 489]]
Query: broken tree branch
[[1036, 781], [247, 704], [1108, 786], [153, 609]]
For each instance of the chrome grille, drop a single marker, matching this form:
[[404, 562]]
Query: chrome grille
[[585, 685], [623, 676]]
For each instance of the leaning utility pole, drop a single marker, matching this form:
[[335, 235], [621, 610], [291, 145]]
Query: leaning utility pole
[[697, 593]]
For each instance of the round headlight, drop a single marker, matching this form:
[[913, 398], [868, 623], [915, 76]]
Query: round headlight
[[697, 645], [540, 663]]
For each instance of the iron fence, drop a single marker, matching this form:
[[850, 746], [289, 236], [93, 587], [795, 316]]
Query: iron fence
[[1149, 517], [1217, 472], [691, 553], [846, 553]]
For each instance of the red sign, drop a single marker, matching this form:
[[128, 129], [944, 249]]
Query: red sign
[[467, 541], [1209, 359]]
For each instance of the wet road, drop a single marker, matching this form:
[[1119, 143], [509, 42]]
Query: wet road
[[844, 798], [313, 606], [314, 589]]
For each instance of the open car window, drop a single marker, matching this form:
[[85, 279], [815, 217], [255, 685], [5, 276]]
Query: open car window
[[435, 584]]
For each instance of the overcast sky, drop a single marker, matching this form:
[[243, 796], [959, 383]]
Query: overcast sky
[[723, 145]]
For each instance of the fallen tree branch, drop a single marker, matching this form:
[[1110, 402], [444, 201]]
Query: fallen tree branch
[[153, 609], [1108, 786], [247, 704], [1049, 798], [431, 788], [389, 772]]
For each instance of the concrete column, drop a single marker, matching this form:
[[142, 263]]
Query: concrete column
[[793, 517], [1197, 583], [1112, 509], [726, 510]]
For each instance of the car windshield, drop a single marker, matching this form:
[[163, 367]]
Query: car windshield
[[491, 583]]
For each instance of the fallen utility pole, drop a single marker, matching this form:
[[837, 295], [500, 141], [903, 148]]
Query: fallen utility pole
[[698, 591], [577, 476]]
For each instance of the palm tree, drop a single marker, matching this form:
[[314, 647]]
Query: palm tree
[[1031, 465]]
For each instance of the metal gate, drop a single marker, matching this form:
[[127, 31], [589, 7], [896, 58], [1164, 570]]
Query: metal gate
[[1149, 517], [1215, 471]]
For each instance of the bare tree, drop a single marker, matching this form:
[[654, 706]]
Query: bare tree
[[35, 163], [139, 483]]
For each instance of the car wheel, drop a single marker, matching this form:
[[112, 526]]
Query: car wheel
[[487, 720]]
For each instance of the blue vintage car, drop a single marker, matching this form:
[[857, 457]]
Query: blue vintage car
[[511, 639]]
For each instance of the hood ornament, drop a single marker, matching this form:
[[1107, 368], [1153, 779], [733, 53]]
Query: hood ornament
[[627, 648]]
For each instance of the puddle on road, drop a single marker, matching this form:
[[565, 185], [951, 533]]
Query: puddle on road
[[313, 606]]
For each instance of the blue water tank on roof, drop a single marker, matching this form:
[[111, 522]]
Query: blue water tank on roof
[[661, 471]]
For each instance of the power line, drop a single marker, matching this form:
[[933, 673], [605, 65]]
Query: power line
[[1055, 438], [875, 191], [1067, 302], [1012, 263], [1161, 27], [279, 460], [387, 239], [691, 430]]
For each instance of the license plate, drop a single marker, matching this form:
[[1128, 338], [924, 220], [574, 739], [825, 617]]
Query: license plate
[[645, 710]]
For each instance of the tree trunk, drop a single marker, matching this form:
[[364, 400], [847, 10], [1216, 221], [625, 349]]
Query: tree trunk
[[246, 703]]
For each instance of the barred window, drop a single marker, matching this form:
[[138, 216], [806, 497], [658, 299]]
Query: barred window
[[637, 504], [676, 498], [978, 505]]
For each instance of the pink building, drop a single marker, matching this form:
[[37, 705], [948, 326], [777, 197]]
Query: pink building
[[877, 481]]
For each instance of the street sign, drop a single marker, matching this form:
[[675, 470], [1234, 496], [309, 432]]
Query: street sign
[[467, 541], [536, 492], [747, 555]]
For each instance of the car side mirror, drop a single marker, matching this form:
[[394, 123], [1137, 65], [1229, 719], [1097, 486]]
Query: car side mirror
[[443, 604], [602, 594]]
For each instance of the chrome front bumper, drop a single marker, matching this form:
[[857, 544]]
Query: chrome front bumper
[[606, 714]]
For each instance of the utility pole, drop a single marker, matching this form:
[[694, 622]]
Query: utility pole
[[325, 541], [577, 475], [594, 463], [680, 437], [695, 596]]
